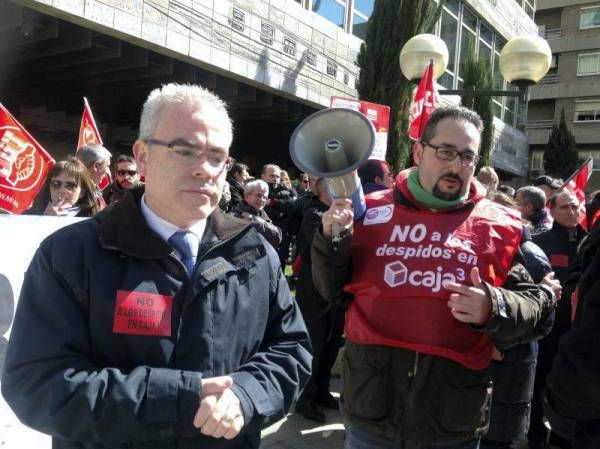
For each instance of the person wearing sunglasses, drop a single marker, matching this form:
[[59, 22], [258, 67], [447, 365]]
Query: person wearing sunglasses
[[161, 322], [69, 192], [433, 279], [126, 178]]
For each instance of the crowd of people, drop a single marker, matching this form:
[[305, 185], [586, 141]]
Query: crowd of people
[[454, 297]]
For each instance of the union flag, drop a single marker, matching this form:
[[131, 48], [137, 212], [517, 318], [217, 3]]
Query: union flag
[[24, 165], [88, 131], [89, 134], [425, 102]]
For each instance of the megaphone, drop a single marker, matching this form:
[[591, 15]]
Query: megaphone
[[333, 143]]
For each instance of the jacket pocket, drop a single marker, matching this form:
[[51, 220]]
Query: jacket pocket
[[365, 379], [467, 407]]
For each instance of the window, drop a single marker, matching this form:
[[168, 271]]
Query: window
[[586, 111], [332, 10], [448, 33], [362, 11], [446, 80], [588, 64], [537, 160], [589, 18]]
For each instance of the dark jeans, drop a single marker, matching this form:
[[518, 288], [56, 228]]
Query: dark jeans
[[356, 438]]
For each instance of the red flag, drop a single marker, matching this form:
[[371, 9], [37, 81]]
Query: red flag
[[576, 184], [88, 131], [24, 165], [425, 102], [89, 134]]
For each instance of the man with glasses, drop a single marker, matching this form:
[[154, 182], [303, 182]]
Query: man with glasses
[[435, 288], [126, 178], [161, 322]]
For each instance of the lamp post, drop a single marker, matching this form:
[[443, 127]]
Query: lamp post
[[524, 60]]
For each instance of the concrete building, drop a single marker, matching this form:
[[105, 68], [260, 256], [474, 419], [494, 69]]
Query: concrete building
[[572, 28], [274, 61]]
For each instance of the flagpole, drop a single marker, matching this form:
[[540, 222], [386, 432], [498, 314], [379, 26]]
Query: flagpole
[[570, 178]]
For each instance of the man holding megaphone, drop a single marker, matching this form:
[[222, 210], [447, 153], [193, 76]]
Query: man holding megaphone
[[433, 281]]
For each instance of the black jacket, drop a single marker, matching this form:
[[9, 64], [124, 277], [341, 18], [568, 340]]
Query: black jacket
[[404, 395], [67, 373], [511, 401], [573, 404], [560, 247], [261, 222]]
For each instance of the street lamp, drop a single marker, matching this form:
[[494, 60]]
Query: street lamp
[[524, 60]]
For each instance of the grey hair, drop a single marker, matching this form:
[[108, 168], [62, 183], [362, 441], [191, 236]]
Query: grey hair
[[183, 94], [534, 196], [88, 154], [257, 184], [457, 113]]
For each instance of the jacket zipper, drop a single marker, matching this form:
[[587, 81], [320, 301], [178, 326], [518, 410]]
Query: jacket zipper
[[415, 367]]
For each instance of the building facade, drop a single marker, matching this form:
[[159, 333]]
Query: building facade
[[274, 61], [572, 28]]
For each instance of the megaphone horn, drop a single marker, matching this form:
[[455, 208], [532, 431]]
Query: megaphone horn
[[332, 144]]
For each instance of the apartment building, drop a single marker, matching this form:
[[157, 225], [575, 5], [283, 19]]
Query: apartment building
[[572, 28]]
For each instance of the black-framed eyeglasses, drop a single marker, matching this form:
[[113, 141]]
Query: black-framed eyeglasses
[[467, 158], [69, 185], [126, 172], [190, 153]]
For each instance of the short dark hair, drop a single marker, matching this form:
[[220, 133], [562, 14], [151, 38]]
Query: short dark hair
[[237, 169], [546, 180], [124, 158], [457, 113], [510, 191], [534, 196], [371, 169]]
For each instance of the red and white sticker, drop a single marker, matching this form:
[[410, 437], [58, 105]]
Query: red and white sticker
[[140, 313], [559, 260]]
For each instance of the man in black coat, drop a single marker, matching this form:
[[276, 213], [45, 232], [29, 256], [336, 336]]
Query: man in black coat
[[325, 321], [161, 322], [560, 245], [573, 389]]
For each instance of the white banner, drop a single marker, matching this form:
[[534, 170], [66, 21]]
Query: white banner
[[20, 236]]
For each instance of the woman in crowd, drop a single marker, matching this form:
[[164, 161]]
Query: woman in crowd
[[68, 192]]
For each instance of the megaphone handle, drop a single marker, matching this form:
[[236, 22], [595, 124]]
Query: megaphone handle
[[336, 230]]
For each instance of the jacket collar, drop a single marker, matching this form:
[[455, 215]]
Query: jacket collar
[[123, 228]]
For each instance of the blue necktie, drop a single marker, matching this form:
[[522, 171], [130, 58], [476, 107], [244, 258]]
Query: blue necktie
[[186, 243]]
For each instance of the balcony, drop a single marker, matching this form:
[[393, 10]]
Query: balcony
[[551, 78], [538, 131], [552, 33], [539, 124]]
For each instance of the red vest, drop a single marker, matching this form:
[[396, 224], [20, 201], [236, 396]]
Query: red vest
[[402, 259]]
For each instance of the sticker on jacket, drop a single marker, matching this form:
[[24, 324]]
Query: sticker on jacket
[[381, 214], [140, 313], [559, 260]]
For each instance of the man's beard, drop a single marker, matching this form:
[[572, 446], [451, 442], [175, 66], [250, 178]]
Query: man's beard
[[448, 196]]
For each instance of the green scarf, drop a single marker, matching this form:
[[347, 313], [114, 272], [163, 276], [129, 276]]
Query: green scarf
[[427, 199]]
